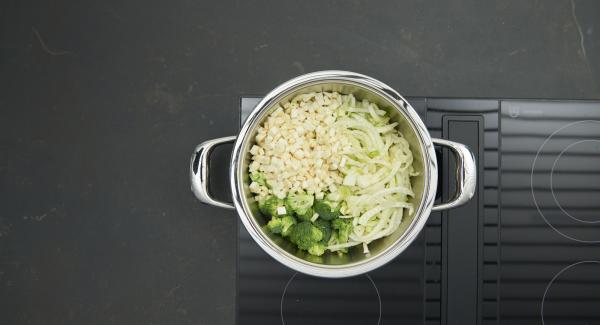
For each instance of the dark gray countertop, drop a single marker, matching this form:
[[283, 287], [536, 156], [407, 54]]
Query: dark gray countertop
[[102, 104]]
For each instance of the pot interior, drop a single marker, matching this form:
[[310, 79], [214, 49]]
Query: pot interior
[[407, 127]]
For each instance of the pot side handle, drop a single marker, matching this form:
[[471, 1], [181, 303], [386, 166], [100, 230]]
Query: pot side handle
[[466, 174], [199, 171]]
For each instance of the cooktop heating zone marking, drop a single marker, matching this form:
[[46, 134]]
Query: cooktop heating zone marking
[[565, 269], [285, 290], [537, 158]]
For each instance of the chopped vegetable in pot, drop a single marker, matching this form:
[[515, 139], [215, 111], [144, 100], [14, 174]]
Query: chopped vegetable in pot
[[331, 172]]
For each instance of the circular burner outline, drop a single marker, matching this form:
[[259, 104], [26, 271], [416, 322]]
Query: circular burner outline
[[292, 279], [552, 181], [556, 277], [531, 182]]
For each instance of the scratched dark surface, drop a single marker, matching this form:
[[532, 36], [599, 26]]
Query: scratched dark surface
[[101, 104]]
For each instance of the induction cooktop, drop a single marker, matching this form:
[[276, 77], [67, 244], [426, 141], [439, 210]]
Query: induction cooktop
[[525, 250]]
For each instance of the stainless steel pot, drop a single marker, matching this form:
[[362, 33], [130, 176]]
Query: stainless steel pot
[[383, 250]]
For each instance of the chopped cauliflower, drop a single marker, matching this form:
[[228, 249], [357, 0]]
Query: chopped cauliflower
[[298, 148]]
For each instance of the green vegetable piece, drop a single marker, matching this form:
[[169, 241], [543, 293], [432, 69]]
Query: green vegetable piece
[[373, 154], [305, 235], [281, 225], [306, 216], [325, 227], [259, 178], [287, 224], [269, 205], [299, 203], [343, 227], [317, 249], [326, 209], [274, 225]]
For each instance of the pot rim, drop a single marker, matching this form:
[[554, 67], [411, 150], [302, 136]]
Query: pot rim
[[421, 214]]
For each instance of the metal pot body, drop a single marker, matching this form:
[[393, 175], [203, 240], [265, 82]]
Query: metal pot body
[[424, 185]]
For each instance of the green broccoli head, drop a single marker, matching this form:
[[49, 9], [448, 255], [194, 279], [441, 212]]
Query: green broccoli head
[[269, 205], [305, 235], [325, 227], [274, 225], [299, 203], [317, 249], [326, 209], [287, 225], [281, 225], [343, 227], [306, 216], [259, 178]]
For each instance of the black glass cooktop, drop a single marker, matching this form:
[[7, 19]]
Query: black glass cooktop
[[525, 250]]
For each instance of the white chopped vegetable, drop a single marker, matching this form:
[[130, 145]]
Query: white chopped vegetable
[[281, 211], [314, 217], [349, 180], [295, 142]]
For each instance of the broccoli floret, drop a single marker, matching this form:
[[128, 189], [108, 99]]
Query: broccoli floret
[[306, 216], [274, 225], [299, 203], [305, 235], [269, 205], [317, 249], [325, 227], [259, 178], [281, 225], [343, 227], [287, 224], [326, 209]]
